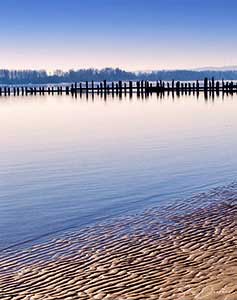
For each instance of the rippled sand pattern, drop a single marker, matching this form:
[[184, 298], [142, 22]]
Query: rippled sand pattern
[[181, 252]]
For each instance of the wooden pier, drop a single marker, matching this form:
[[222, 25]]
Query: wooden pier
[[206, 86]]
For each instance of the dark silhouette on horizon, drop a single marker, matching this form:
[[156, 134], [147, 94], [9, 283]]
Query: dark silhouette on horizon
[[42, 77]]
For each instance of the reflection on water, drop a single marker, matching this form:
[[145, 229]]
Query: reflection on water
[[66, 162]]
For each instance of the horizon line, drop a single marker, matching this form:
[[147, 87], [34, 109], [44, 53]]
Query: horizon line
[[196, 69]]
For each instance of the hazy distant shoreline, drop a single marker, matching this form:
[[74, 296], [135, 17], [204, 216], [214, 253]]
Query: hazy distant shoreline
[[42, 77]]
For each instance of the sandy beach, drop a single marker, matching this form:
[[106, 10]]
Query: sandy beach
[[156, 255]]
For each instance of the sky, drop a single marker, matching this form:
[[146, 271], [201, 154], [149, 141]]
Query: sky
[[129, 34]]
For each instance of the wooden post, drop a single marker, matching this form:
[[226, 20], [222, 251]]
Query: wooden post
[[9, 91], [87, 88], [213, 84], [117, 88], [205, 84], [227, 87], [130, 87], [142, 86], [112, 88], [80, 88], [120, 87], [206, 88], [105, 86], [138, 87], [185, 87], [217, 88], [197, 86], [92, 87], [172, 85], [150, 87], [178, 87], [100, 88], [210, 85], [147, 86], [125, 88]]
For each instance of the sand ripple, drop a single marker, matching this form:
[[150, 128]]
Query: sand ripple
[[183, 252]]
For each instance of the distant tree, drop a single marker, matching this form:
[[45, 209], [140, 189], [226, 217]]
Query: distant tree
[[109, 74]]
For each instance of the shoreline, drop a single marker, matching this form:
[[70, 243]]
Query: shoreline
[[181, 256]]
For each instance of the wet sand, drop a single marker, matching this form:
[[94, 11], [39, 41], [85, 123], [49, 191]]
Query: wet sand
[[184, 252]]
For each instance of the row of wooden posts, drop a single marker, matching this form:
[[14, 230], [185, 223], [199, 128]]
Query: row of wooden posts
[[139, 87]]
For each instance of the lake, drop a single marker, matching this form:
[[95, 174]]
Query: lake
[[67, 163]]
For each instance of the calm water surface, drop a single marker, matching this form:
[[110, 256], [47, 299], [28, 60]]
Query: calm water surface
[[66, 163]]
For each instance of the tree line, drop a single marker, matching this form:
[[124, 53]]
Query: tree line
[[110, 74]]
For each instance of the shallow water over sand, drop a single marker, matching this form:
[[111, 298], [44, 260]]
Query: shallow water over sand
[[66, 163], [186, 250]]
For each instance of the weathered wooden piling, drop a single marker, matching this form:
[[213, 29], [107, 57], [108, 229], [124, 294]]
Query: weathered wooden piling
[[87, 87], [101, 88], [98, 89], [92, 87], [144, 87], [217, 88], [178, 87], [120, 87], [112, 87], [125, 88], [213, 83], [205, 84], [105, 86], [130, 87], [197, 86], [138, 87], [117, 88], [172, 85]]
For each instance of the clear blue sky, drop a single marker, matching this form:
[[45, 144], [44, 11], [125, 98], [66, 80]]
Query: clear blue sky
[[130, 34]]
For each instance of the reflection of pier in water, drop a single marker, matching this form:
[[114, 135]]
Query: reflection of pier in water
[[210, 88]]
